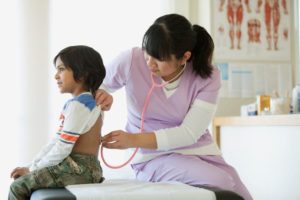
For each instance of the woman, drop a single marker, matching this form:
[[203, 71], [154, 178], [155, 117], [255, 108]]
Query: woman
[[172, 90]]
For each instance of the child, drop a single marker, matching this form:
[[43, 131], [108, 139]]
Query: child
[[72, 155]]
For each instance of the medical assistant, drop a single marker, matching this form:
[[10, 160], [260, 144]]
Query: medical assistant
[[179, 115]]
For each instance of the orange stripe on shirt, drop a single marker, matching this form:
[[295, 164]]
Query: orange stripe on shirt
[[69, 138]]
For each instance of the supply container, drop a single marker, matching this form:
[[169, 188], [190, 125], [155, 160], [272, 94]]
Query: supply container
[[296, 99], [263, 103], [280, 105]]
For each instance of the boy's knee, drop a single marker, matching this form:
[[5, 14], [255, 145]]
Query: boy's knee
[[14, 190], [18, 189], [14, 187]]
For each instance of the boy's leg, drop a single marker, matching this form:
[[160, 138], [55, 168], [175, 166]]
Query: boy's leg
[[23, 186], [75, 169]]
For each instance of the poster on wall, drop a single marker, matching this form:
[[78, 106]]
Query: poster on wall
[[248, 80], [252, 29]]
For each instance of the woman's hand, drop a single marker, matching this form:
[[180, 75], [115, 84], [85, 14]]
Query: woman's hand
[[19, 171], [122, 140], [104, 99], [118, 140]]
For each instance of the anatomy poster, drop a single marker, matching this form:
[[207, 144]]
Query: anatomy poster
[[252, 30]]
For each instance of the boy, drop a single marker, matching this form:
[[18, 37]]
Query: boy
[[71, 157]]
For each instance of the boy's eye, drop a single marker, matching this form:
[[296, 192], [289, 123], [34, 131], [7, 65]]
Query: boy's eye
[[61, 69]]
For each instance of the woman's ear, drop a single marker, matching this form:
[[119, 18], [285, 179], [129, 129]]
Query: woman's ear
[[186, 56]]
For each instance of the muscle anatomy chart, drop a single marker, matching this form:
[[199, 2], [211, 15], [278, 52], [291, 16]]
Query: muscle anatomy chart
[[252, 29]]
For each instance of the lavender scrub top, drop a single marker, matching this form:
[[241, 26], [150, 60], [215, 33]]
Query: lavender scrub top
[[129, 70]]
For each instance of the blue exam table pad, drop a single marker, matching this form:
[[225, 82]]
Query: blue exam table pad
[[121, 189]]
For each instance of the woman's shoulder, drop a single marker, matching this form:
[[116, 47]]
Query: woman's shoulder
[[128, 55], [137, 53], [132, 51], [215, 75], [205, 89], [198, 84]]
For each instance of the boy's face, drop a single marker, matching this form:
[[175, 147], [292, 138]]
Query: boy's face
[[65, 79]]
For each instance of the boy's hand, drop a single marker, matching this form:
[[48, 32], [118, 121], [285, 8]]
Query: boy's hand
[[19, 171], [104, 99]]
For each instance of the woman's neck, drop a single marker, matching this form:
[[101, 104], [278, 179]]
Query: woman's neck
[[175, 75]]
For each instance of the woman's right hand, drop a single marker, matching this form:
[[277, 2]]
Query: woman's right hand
[[104, 99], [118, 140]]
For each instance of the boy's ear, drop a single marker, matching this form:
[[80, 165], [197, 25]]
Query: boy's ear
[[81, 80], [83, 77]]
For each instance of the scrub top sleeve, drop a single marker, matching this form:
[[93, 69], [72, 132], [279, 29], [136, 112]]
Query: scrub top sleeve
[[191, 128], [210, 92], [117, 71]]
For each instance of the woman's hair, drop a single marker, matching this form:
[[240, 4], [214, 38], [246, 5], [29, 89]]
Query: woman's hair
[[86, 64], [174, 34]]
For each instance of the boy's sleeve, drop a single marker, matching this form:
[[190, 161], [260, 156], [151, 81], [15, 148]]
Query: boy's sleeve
[[77, 119]]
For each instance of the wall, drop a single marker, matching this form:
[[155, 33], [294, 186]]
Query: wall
[[24, 68], [266, 158], [34, 65]]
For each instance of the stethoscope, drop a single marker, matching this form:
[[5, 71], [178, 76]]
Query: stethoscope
[[147, 99]]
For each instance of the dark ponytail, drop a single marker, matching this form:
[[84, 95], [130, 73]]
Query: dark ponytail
[[202, 52]]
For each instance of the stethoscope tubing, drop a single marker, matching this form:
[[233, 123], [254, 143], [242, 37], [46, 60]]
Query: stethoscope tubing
[[146, 103]]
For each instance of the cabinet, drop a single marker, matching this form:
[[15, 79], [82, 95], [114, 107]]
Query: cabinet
[[265, 151]]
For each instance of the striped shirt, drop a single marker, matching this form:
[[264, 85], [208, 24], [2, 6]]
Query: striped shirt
[[78, 117]]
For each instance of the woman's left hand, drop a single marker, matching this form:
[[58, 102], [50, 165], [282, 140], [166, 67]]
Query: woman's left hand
[[118, 140], [104, 99]]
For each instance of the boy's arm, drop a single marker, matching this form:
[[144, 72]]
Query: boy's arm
[[76, 122], [57, 152], [42, 153]]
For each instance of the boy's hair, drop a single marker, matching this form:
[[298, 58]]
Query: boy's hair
[[86, 64]]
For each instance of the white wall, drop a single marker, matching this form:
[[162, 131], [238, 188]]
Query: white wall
[[32, 32], [24, 69], [33, 66], [266, 158]]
